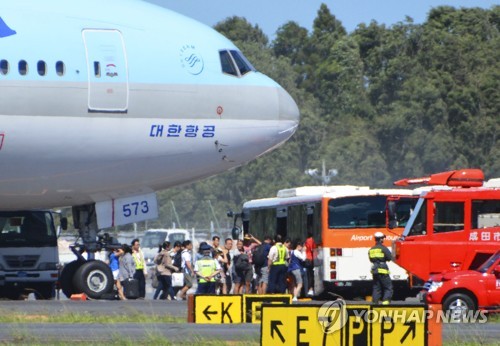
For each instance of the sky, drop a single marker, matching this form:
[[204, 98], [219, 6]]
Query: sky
[[271, 14]]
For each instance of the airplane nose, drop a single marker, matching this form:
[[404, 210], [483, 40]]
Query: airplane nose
[[289, 114], [288, 108]]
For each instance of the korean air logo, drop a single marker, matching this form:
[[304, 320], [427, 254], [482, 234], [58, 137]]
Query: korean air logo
[[191, 60], [5, 31]]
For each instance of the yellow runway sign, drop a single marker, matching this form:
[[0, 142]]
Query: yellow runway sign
[[313, 325], [253, 304], [294, 325], [218, 309], [398, 326]]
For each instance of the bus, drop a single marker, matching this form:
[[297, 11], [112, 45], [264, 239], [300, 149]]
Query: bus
[[343, 221]]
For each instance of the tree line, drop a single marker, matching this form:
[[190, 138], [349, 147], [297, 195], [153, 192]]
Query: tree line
[[378, 104]]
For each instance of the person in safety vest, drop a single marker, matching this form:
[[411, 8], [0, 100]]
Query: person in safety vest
[[277, 264], [379, 256], [140, 267], [206, 269]]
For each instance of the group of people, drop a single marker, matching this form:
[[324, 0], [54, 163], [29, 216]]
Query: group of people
[[127, 262], [251, 267]]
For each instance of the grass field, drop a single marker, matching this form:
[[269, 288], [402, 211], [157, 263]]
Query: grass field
[[21, 336], [88, 318]]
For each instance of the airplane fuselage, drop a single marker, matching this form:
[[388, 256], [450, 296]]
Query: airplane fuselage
[[106, 99]]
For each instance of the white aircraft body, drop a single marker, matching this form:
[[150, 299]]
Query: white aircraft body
[[103, 99], [103, 103]]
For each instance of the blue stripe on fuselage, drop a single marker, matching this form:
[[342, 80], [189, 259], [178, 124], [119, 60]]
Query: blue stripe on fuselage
[[5, 30]]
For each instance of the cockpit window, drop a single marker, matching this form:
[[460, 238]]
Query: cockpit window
[[227, 63], [234, 63], [243, 64]]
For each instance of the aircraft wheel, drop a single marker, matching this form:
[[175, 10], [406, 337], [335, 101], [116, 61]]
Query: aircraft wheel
[[66, 277], [459, 304], [94, 278]]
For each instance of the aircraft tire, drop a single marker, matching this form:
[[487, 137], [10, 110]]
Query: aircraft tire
[[66, 277], [94, 278]]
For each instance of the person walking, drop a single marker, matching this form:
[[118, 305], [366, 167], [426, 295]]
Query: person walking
[[277, 261], [250, 244], [165, 269], [379, 255], [155, 275], [311, 247], [140, 267], [260, 261], [242, 269], [176, 255], [187, 269], [296, 267], [225, 262], [114, 262], [206, 269], [126, 269], [114, 265]]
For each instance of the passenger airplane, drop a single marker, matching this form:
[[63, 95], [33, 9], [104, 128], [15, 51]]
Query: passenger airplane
[[106, 102], [103, 103]]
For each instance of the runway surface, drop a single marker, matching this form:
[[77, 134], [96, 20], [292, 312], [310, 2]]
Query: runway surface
[[175, 332]]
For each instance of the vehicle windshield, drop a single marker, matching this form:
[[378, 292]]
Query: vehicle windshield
[[487, 265], [402, 210], [153, 239], [356, 212], [416, 225], [176, 236], [27, 229]]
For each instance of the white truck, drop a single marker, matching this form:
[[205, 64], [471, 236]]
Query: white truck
[[154, 237], [28, 254]]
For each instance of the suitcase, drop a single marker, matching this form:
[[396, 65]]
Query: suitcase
[[131, 288]]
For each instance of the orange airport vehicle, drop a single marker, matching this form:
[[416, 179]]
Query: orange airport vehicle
[[343, 220], [455, 224]]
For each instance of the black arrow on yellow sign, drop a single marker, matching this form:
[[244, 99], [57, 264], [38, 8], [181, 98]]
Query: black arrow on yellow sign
[[412, 327], [274, 327], [207, 313]]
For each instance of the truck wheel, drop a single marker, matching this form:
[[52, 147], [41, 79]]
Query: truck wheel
[[94, 278], [66, 277], [459, 305]]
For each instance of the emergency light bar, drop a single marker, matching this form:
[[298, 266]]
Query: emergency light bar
[[457, 178]]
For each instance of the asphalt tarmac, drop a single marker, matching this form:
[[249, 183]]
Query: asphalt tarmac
[[87, 333], [38, 332]]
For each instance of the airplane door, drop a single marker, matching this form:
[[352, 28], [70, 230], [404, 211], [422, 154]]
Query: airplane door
[[107, 70]]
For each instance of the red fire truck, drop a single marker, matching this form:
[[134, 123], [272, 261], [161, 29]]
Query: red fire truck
[[455, 224]]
